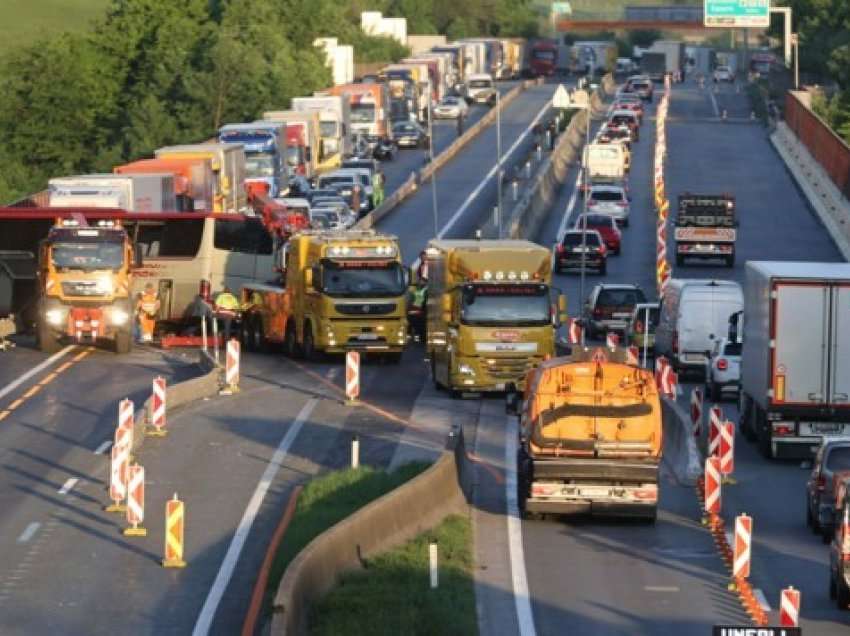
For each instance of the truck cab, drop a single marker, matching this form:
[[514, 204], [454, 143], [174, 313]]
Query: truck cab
[[84, 276], [264, 142]]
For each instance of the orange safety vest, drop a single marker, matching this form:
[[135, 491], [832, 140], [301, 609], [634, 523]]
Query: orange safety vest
[[149, 304]]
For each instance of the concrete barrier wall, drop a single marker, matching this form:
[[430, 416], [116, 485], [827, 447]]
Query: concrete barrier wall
[[392, 520], [416, 178], [179, 394], [536, 203]]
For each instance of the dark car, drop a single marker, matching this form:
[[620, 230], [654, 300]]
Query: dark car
[[606, 226], [384, 149], [839, 552], [642, 88], [410, 134], [609, 307], [573, 250], [832, 458]]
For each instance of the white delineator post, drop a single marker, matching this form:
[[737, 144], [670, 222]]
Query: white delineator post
[[432, 562]]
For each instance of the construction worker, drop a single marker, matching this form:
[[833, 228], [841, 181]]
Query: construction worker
[[147, 310], [416, 310], [226, 307]]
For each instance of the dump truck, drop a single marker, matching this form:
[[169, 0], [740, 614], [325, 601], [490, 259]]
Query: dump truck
[[795, 371], [131, 192], [84, 278], [590, 437], [489, 312], [705, 227], [228, 164], [340, 291]]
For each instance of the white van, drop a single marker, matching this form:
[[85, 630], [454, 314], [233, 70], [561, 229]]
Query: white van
[[480, 87], [695, 313]]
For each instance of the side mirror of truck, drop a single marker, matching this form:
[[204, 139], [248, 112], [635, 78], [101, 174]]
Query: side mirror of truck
[[138, 260]]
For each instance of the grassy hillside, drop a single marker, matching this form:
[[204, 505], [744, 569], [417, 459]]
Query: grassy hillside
[[23, 20]]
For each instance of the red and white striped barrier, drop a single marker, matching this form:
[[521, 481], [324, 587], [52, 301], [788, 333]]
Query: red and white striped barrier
[[126, 414], [352, 376], [118, 464], [743, 543], [696, 411], [633, 356], [158, 395], [612, 340], [715, 421], [231, 367], [727, 448], [665, 377], [135, 501], [575, 331], [789, 607], [174, 527], [712, 485]]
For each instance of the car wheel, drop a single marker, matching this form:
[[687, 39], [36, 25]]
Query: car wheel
[[814, 516], [716, 392]]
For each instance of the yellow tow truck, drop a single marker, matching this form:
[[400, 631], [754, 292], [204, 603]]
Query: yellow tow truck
[[490, 314]]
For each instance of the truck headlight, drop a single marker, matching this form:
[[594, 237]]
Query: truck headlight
[[104, 286], [55, 317], [120, 317], [465, 369]]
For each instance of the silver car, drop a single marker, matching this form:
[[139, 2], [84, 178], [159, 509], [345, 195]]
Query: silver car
[[451, 108], [723, 369], [610, 199]]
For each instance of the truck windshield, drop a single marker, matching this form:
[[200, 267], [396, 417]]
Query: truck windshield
[[362, 113], [360, 279], [293, 156], [87, 255], [508, 304], [327, 128], [259, 164], [480, 84]]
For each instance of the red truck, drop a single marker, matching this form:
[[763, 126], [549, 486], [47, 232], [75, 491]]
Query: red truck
[[543, 58]]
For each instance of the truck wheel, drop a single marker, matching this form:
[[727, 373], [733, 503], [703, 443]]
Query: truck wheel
[[762, 433], [291, 342], [309, 343], [123, 342], [433, 365], [652, 517], [245, 335], [258, 338], [747, 429], [730, 261], [47, 340], [716, 392]]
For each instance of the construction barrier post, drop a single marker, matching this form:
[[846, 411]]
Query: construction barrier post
[[352, 377], [727, 451], [135, 501], [633, 356], [174, 525], [715, 421], [743, 543], [789, 607], [612, 340], [157, 409], [712, 485], [118, 463], [231, 368], [574, 331], [696, 411]]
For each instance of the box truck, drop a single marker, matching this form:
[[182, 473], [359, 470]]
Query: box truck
[[228, 164], [795, 364], [131, 192], [193, 179]]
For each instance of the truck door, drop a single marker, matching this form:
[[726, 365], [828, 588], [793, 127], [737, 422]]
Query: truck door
[[801, 317], [839, 381]]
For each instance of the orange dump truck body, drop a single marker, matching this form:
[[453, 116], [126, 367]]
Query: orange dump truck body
[[591, 431]]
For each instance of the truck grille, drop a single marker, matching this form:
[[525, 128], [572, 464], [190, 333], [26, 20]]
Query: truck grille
[[82, 288], [508, 368], [366, 309]]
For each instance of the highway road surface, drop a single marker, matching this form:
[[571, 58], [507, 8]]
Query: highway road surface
[[66, 568]]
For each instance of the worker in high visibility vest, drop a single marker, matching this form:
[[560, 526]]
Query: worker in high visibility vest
[[416, 307], [147, 310], [226, 307]]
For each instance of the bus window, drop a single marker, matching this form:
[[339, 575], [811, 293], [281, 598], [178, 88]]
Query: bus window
[[168, 239], [247, 236]]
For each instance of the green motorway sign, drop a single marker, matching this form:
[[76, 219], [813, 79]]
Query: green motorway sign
[[736, 13]]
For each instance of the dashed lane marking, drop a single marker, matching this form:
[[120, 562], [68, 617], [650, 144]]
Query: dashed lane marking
[[33, 390], [68, 485], [661, 588], [29, 532], [100, 450]]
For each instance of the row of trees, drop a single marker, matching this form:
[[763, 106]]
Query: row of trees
[[157, 72], [824, 31]]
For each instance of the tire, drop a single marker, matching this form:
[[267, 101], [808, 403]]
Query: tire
[[291, 342], [245, 335], [433, 366], [47, 340], [309, 344], [123, 342], [730, 261], [816, 528], [619, 251], [747, 429], [626, 222], [833, 587], [716, 392], [258, 339], [761, 433], [842, 594]]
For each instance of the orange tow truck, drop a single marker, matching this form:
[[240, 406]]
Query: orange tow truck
[[590, 437]]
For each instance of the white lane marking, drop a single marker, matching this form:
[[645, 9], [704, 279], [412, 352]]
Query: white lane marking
[[714, 103], [661, 588], [36, 369], [100, 450], [568, 211], [519, 579], [29, 531], [68, 485], [332, 373], [761, 598], [228, 565]]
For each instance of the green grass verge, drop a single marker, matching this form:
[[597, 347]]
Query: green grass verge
[[22, 21], [393, 596], [327, 500]]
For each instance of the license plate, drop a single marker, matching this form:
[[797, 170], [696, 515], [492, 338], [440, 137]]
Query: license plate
[[827, 428], [367, 336], [695, 357], [616, 315], [594, 493]]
